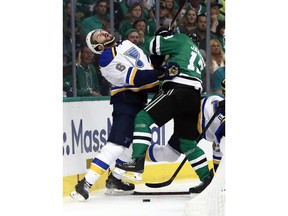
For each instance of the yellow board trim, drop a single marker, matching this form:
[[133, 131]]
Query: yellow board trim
[[153, 173]]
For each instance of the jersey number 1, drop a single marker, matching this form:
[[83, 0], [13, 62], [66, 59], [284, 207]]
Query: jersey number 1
[[200, 63]]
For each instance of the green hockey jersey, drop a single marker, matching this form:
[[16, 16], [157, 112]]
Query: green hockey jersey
[[180, 49]]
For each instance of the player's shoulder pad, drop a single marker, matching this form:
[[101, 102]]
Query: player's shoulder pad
[[107, 56]]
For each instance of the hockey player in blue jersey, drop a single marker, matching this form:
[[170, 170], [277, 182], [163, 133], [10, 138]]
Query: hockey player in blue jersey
[[132, 75]]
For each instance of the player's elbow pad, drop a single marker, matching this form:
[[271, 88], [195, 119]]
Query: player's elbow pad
[[144, 77]]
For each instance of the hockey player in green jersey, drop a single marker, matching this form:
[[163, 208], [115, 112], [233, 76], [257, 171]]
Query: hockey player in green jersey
[[179, 100]]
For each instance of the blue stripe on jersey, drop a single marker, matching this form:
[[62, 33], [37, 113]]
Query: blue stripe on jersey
[[100, 163], [215, 105], [118, 161], [203, 117], [107, 56], [128, 74], [131, 75], [151, 156]]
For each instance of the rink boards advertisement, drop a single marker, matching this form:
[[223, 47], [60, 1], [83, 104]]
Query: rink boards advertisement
[[86, 126]]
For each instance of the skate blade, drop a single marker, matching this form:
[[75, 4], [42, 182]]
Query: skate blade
[[133, 176], [116, 192], [76, 196]]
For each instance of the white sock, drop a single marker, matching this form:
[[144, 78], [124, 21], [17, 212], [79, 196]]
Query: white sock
[[108, 154]]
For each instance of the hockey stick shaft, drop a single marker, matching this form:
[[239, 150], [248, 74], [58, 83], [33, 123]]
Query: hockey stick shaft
[[177, 13], [169, 181], [161, 193]]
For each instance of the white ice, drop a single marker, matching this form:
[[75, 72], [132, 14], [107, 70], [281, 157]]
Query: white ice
[[100, 204]]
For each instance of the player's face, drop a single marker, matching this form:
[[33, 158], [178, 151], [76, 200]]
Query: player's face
[[102, 36]]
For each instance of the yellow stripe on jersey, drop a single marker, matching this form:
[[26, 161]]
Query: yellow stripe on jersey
[[97, 169], [199, 127], [113, 52], [223, 120], [132, 76], [134, 89]]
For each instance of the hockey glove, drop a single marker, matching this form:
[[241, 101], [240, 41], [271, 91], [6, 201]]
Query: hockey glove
[[166, 29], [156, 60], [164, 32], [168, 71]]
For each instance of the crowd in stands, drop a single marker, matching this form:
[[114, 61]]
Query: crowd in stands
[[135, 20]]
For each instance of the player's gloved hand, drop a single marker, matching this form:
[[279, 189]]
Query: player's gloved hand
[[157, 60], [220, 132], [164, 31], [168, 71]]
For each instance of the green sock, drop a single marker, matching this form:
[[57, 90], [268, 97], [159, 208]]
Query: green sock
[[142, 130], [139, 150], [192, 152]]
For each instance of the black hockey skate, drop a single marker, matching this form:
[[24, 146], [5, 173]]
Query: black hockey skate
[[137, 165], [81, 192], [199, 188], [118, 186]]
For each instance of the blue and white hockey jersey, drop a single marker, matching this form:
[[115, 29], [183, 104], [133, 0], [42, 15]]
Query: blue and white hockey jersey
[[208, 107], [119, 66]]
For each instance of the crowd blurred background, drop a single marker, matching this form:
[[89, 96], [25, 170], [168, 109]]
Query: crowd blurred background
[[137, 20]]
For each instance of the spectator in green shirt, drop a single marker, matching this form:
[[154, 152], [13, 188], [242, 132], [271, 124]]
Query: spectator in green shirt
[[135, 12], [217, 78], [100, 20], [86, 75]]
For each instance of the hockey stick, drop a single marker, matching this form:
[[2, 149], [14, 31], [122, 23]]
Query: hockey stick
[[177, 13], [162, 193], [169, 181]]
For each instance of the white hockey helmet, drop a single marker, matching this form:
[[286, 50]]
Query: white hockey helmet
[[97, 48]]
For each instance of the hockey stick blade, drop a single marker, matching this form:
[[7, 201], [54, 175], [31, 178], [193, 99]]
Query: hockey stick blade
[[162, 193], [169, 181]]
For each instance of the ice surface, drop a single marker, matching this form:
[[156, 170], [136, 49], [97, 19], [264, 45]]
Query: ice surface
[[100, 204]]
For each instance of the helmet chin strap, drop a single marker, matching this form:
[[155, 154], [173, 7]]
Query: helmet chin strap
[[99, 47], [109, 43]]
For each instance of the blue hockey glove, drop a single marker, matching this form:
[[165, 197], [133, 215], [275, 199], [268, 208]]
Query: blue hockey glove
[[168, 71]]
